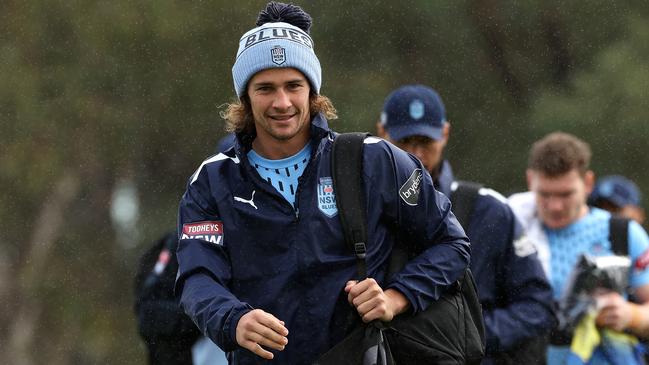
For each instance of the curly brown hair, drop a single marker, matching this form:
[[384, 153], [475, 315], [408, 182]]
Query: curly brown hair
[[559, 153], [238, 114]]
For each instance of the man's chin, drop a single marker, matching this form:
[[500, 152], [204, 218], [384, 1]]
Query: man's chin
[[556, 223], [284, 135]]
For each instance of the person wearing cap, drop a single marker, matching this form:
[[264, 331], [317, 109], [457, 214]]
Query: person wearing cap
[[514, 292], [555, 212], [618, 195], [264, 270]]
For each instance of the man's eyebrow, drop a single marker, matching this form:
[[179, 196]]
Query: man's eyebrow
[[270, 83], [262, 83], [562, 192]]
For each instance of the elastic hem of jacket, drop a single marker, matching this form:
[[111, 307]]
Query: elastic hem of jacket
[[230, 328]]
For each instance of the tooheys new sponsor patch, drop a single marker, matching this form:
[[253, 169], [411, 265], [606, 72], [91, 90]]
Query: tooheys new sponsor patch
[[409, 191], [211, 231]]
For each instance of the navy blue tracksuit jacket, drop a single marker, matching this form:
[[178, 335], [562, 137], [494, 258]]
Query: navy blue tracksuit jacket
[[514, 292], [243, 246]]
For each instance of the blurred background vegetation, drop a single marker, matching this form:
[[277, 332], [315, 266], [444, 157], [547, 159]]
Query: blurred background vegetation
[[106, 108]]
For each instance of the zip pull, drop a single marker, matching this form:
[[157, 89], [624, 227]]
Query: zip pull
[[297, 213]]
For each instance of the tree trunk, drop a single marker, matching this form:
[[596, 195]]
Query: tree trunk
[[26, 304]]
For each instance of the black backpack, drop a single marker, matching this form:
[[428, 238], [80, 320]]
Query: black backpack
[[618, 234], [463, 200], [449, 331], [168, 333], [532, 351]]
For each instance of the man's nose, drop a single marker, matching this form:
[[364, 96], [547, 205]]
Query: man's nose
[[419, 152], [554, 203], [282, 100]]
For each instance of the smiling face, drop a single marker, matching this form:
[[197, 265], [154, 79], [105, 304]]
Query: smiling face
[[561, 199], [279, 99]]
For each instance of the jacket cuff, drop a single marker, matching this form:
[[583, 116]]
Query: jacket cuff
[[406, 293], [230, 328]]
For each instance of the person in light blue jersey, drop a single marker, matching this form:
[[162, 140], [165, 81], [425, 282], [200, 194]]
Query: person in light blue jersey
[[564, 227]]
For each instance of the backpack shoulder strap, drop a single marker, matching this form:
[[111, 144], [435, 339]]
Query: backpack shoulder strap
[[618, 234], [347, 170], [463, 199]]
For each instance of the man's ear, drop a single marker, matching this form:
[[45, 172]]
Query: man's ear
[[529, 175], [381, 132], [589, 181], [446, 132]]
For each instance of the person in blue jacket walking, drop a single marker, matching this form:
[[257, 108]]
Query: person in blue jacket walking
[[513, 290], [264, 271]]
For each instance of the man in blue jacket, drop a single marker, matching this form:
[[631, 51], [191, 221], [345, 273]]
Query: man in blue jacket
[[514, 292], [263, 267]]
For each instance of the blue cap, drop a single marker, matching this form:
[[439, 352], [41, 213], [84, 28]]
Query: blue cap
[[413, 110], [616, 189]]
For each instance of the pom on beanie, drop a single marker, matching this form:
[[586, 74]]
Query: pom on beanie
[[277, 12]]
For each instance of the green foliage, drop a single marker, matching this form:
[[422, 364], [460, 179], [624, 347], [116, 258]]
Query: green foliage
[[605, 105]]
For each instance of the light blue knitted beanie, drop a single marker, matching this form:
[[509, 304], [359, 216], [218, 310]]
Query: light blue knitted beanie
[[275, 45]]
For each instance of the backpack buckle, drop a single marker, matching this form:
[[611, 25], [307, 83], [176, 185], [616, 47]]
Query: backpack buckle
[[359, 248]]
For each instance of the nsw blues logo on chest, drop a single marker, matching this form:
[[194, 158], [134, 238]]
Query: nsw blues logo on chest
[[326, 197]]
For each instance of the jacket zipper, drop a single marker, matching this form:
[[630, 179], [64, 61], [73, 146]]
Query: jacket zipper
[[300, 181]]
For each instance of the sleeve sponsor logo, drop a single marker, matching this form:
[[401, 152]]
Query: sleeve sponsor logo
[[524, 246], [210, 231], [409, 191], [642, 261]]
